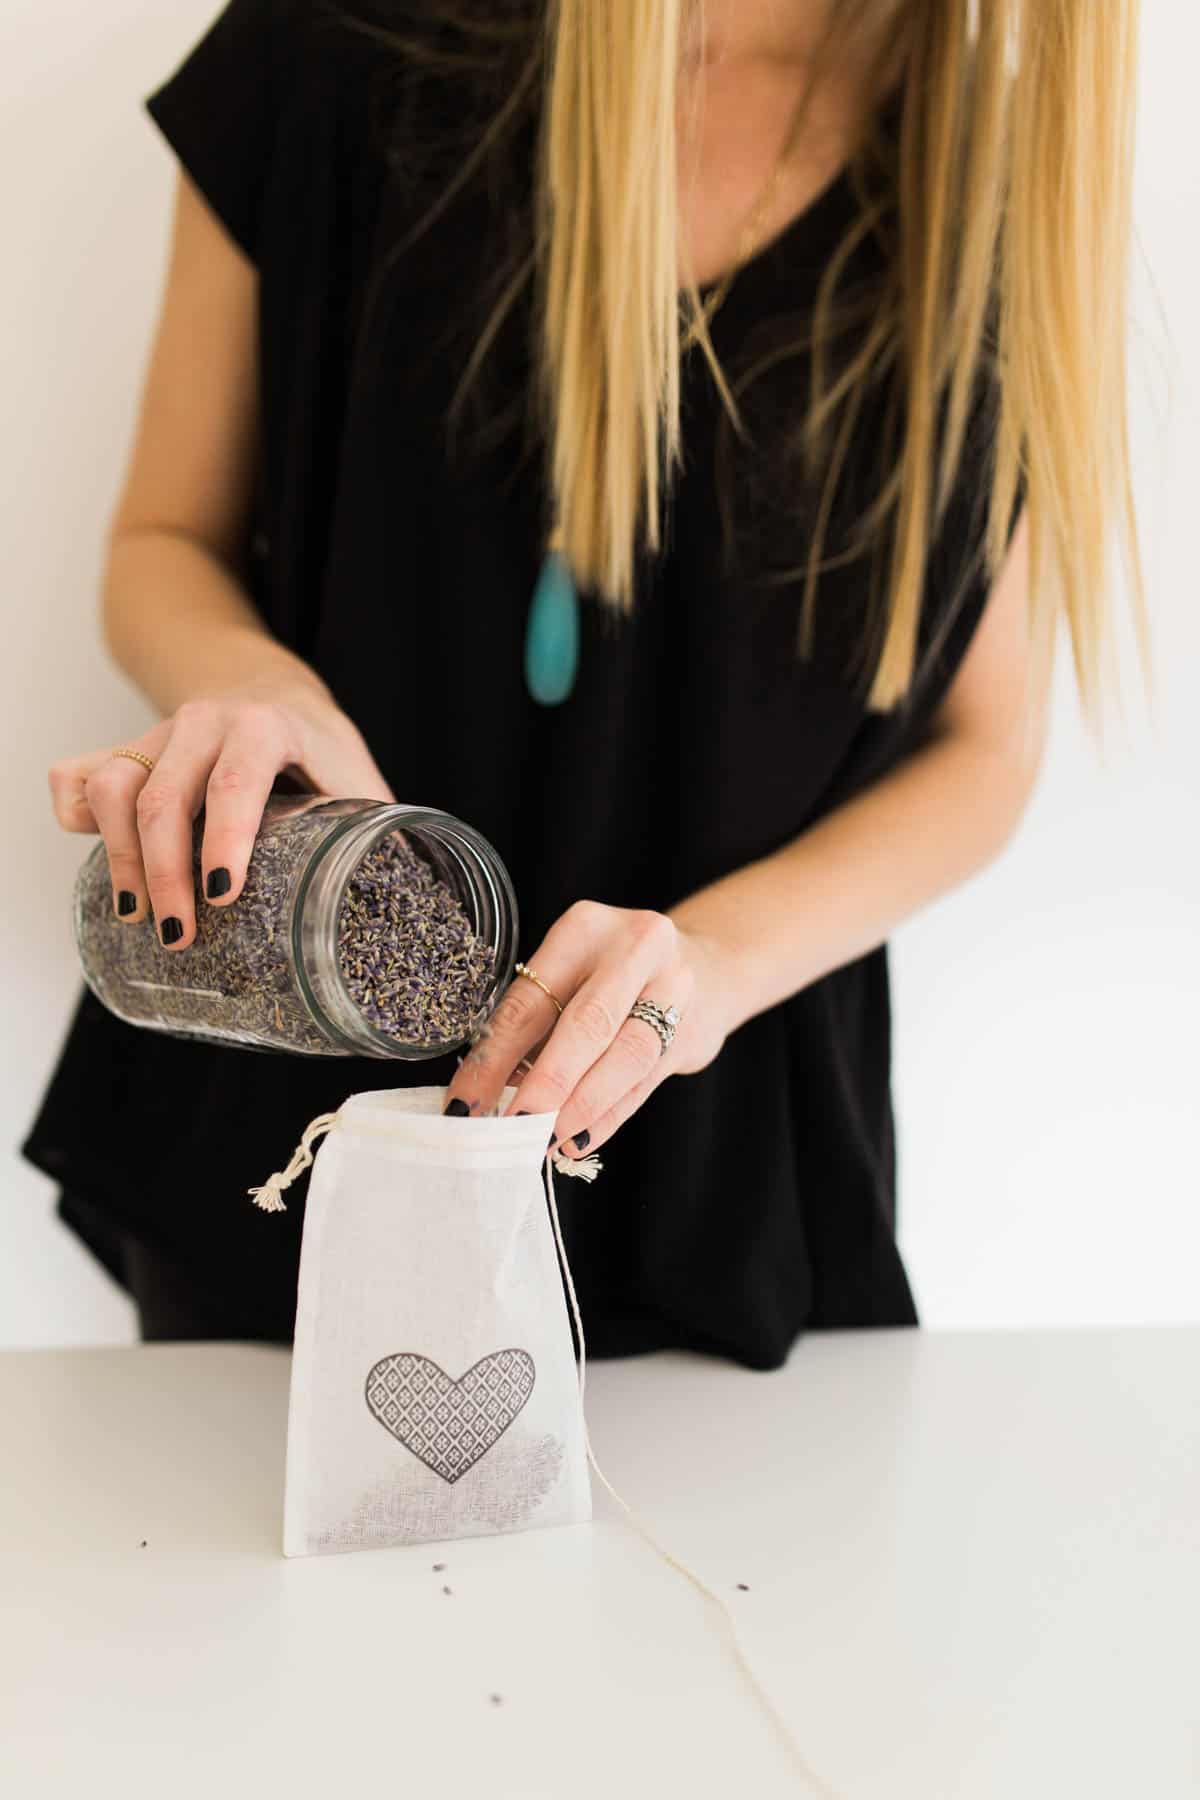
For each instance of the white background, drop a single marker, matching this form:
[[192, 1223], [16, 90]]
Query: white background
[[1048, 1012]]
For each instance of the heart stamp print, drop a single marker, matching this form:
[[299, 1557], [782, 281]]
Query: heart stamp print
[[449, 1424]]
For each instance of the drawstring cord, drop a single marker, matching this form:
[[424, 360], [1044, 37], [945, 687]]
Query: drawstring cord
[[270, 1196], [584, 1168], [643, 1530], [270, 1199]]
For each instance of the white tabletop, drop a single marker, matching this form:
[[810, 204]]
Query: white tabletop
[[973, 1563]]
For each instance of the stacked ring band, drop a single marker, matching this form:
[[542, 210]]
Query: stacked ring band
[[530, 975], [664, 1020], [137, 757]]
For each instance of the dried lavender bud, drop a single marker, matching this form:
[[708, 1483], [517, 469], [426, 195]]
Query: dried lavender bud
[[235, 981], [408, 959]]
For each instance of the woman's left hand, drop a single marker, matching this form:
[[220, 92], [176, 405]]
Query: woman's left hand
[[595, 1065]]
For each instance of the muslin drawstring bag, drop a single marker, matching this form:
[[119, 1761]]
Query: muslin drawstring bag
[[434, 1389]]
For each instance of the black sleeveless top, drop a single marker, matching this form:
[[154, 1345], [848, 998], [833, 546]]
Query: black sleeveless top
[[745, 1204]]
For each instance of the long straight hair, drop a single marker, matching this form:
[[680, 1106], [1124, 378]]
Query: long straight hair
[[1009, 193]]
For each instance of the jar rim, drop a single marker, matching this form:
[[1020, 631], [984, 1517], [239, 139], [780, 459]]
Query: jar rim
[[374, 821]]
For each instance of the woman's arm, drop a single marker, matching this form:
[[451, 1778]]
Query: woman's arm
[[950, 808], [237, 705], [176, 616], [762, 934]]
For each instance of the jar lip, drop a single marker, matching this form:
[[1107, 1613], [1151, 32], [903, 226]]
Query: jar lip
[[373, 821]]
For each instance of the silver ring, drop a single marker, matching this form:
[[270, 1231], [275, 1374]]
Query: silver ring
[[664, 1020]]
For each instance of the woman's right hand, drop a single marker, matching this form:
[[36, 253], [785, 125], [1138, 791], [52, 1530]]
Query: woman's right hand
[[221, 753]]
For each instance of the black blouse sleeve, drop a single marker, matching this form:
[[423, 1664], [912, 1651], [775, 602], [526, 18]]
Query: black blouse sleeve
[[218, 112]]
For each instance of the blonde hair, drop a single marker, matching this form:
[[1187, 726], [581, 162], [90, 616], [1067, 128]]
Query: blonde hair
[[1004, 206], [1012, 204]]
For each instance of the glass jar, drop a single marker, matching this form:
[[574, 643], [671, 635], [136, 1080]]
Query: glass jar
[[362, 930]]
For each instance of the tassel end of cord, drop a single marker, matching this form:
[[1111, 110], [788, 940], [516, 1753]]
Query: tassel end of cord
[[583, 1168], [268, 1198]]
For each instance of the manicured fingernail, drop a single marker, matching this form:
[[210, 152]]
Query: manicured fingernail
[[219, 882], [553, 1141], [456, 1109], [581, 1140], [522, 1115], [126, 903], [172, 930]]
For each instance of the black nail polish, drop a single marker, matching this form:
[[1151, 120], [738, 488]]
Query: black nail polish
[[456, 1109], [126, 903], [219, 882], [172, 930], [581, 1140], [553, 1141], [523, 1115]]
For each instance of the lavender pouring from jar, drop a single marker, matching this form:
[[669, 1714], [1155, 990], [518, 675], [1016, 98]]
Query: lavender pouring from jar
[[363, 929]]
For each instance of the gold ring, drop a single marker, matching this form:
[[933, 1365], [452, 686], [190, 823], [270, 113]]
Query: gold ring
[[538, 982], [137, 757]]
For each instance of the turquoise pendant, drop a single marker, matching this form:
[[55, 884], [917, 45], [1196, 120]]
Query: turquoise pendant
[[552, 635]]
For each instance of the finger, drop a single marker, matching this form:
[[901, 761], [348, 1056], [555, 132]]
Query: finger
[[167, 805], [112, 792], [526, 1063], [631, 1101], [257, 747], [68, 789], [597, 1011], [522, 1020], [635, 1057], [111, 783], [343, 766], [526, 1016]]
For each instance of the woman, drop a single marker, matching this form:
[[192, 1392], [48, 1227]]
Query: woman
[[799, 328]]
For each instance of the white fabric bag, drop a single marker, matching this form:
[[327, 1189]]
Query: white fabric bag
[[434, 1390]]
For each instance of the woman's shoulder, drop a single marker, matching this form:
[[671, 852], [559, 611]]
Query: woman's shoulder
[[270, 108], [284, 50]]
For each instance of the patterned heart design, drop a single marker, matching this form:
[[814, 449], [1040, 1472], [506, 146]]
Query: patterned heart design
[[449, 1424]]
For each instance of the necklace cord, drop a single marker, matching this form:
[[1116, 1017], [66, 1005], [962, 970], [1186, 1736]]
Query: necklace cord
[[751, 238]]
